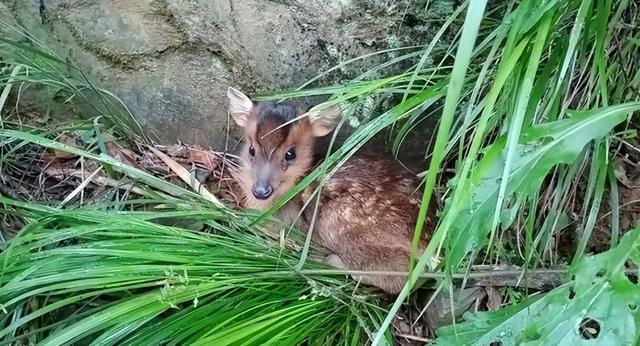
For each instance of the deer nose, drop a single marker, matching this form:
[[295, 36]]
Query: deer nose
[[262, 191]]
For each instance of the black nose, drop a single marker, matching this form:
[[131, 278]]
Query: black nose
[[262, 191]]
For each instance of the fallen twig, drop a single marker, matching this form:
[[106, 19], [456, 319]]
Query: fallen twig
[[540, 279], [80, 187], [186, 176]]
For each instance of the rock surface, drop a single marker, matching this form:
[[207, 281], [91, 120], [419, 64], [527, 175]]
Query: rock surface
[[172, 60]]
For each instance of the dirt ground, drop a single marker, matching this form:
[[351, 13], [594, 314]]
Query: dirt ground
[[628, 176]]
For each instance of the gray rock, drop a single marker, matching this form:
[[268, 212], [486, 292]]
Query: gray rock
[[117, 27], [171, 61]]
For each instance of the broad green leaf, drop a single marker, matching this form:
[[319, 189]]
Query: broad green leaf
[[600, 291], [496, 326], [540, 148]]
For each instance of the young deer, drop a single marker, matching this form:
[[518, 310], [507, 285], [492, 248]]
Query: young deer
[[367, 210]]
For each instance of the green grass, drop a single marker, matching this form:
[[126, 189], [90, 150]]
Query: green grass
[[29, 61], [115, 276], [533, 96]]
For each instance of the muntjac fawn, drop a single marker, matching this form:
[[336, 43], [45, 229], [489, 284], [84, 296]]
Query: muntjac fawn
[[367, 210]]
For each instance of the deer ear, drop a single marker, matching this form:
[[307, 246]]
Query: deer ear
[[240, 106], [323, 120]]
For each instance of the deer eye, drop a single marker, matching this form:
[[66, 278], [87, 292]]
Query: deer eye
[[290, 154], [252, 152]]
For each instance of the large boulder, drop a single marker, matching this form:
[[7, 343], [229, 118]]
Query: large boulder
[[172, 60]]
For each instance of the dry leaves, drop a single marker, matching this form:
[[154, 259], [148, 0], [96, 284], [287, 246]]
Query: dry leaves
[[186, 176], [166, 162]]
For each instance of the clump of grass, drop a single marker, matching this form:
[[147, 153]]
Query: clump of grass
[[113, 277], [27, 62]]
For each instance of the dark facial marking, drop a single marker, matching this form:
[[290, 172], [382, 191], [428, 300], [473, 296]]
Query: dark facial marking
[[268, 137], [270, 116]]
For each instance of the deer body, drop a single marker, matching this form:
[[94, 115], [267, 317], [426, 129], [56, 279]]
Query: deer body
[[367, 210]]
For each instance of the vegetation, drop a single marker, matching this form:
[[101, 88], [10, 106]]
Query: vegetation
[[536, 102]]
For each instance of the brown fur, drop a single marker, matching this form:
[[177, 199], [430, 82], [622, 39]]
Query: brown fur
[[367, 209], [367, 215]]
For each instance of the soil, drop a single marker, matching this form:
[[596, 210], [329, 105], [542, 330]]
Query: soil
[[629, 206], [626, 168]]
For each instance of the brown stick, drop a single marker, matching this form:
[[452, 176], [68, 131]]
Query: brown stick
[[540, 279]]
